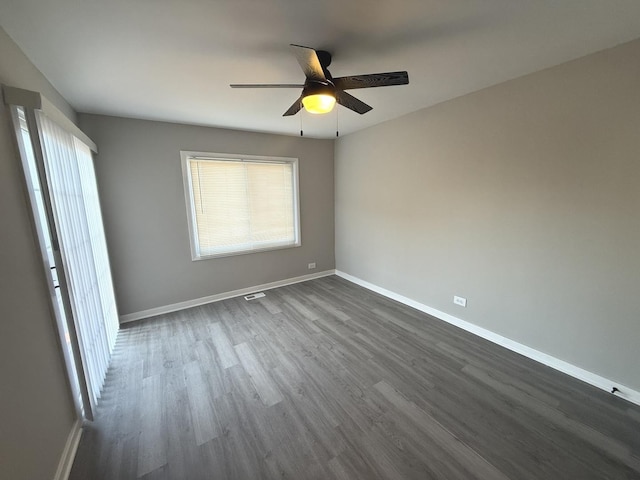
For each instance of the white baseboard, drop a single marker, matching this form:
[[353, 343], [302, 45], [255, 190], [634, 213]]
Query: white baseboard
[[132, 317], [548, 360], [69, 452]]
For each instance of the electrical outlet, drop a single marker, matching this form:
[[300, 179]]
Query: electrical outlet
[[312, 266], [460, 301]]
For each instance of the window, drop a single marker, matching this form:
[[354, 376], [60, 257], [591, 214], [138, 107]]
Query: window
[[240, 204]]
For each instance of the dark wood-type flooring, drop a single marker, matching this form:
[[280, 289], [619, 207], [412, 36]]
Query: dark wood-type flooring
[[327, 380]]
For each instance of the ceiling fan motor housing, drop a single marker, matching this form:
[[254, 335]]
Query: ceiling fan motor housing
[[317, 88], [324, 58]]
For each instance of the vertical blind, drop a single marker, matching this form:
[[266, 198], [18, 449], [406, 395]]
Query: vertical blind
[[78, 220], [241, 205]]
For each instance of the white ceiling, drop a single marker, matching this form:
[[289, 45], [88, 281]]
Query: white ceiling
[[174, 60]]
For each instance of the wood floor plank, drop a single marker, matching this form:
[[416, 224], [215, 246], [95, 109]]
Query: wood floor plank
[[303, 310], [327, 380], [205, 425], [265, 386], [224, 348], [182, 458], [152, 453]]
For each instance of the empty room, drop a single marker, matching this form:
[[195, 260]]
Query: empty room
[[320, 240]]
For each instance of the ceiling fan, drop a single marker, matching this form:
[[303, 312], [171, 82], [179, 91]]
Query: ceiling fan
[[321, 91]]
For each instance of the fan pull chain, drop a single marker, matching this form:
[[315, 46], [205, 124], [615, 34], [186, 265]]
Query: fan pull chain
[[337, 130], [301, 113]]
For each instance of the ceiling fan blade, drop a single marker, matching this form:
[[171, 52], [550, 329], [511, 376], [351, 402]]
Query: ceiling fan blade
[[372, 80], [352, 103], [266, 85], [308, 60], [295, 108]]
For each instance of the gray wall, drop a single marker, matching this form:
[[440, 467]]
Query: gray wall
[[36, 409], [523, 197], [140, 180]]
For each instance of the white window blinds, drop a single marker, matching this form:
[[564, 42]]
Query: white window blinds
[[78, 220], [241, 205]]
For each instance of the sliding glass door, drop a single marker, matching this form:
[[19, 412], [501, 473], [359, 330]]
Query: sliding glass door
[[62, 190], [41, 224]]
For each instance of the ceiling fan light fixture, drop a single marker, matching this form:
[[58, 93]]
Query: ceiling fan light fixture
[[319, 103]]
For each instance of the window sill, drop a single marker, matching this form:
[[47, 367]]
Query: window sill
[[244, 252]]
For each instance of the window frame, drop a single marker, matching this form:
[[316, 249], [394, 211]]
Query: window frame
[[187, 155]]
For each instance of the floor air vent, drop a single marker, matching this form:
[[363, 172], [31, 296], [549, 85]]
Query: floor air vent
[[253, 296]]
